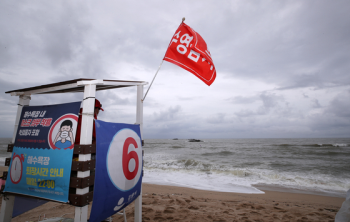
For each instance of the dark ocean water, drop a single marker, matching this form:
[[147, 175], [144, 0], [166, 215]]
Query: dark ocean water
[[244, 165], [237, 165]]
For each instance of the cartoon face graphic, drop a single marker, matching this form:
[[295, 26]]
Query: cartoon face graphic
[[61, 134], [65, 131], [65, 137]]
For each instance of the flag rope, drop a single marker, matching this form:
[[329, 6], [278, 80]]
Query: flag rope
[[152, 81]]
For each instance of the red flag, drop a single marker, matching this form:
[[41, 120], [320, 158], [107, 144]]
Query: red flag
[[188, 50]]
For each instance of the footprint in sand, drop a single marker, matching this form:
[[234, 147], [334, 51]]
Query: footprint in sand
[[169, 210], [120, 204]]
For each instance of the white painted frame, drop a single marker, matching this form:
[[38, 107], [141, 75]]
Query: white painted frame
[[8, 201], [81, 213]]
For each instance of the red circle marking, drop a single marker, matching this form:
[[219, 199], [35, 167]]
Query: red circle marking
[[72, 116], [21, 170]]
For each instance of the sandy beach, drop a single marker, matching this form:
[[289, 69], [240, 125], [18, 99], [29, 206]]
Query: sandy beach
[[169, 203]]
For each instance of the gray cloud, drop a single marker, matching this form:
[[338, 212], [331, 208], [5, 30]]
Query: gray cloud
[[243, 99], [315, 104], [340, 105], [270, 99], [269, 102], [218, 118], [295, 45], [170, 114]]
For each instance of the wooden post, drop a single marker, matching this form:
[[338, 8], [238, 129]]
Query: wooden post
[[9, 201], [81, 213], [23, 101], [139, 120]]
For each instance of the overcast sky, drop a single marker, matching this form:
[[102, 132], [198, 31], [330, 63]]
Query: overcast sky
[[283, 67]]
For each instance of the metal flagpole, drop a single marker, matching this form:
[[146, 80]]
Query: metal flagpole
[[152, 81], [183, 19]]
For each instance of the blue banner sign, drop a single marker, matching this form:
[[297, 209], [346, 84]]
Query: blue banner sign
[[43, 151], [119, 165]]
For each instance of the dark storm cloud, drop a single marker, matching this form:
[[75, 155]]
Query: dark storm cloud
[[171, 123], [64, 35], [51, 34], [340, 105], [315, 104], [6, 85], [269, 101], [295, 52], [329, 126], [294, 44], [8, 107]]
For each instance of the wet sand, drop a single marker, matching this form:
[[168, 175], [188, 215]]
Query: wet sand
[[169, 203]]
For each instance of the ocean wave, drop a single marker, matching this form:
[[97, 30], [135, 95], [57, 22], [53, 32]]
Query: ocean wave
[[327, 145], [177, 147], [306, 164], [340, 144], [184, 164], [222, 153], [315, 145], [248, 177], [285, 145], [318, 182], [324, 153], [252, 174]]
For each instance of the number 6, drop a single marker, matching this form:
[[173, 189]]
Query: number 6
[[128, 156]]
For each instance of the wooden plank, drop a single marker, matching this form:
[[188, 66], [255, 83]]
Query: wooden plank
[[4, 175], [7, 161], [83, 165], [76, 182], [10, 147], [84, 149], [80, 200]]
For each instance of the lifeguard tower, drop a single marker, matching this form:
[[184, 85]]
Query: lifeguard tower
[[83, 181]]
